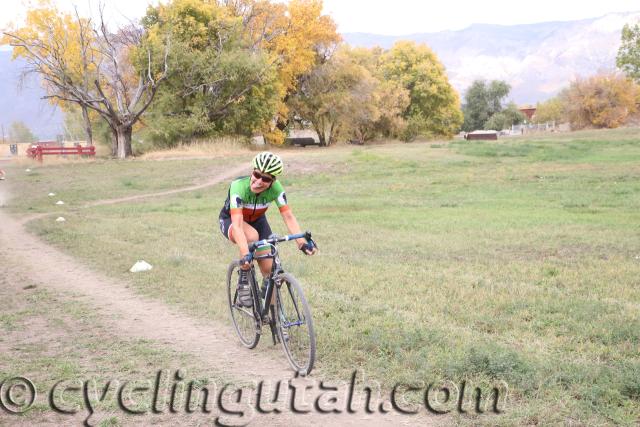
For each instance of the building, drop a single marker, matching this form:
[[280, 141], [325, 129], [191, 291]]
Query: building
[[528, 110]]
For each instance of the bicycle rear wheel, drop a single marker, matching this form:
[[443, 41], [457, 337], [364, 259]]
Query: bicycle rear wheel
[[243, 318], [295, 325]]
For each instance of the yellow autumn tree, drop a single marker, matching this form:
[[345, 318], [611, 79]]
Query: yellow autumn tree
[[344, 98], [605, 101], [297, 38], [434, 107], [549, 111], [334, 96]]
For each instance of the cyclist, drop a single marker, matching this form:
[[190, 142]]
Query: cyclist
[[243, 219]]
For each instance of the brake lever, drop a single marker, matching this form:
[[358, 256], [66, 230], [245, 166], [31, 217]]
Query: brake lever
[[313, 242]]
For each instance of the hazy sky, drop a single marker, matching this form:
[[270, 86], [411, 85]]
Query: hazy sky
[[402, 17], [397, 17]]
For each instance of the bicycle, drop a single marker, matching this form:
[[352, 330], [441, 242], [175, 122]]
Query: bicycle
[[284, 307]]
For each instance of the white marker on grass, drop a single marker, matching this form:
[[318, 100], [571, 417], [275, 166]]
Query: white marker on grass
[[140, 266]]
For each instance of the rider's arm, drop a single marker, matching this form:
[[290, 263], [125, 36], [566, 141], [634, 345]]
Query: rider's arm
[[294, 228], [237, 222], [292, 225], [285, 210], [289, 219]]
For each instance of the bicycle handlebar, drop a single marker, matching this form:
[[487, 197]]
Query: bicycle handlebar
[[276, 239]]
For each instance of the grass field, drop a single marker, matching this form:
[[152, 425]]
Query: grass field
[[515, 260]]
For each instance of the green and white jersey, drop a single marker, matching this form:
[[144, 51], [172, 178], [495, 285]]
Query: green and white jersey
[[252, 206]]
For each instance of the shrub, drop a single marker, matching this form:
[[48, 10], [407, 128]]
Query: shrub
[[603, 101]]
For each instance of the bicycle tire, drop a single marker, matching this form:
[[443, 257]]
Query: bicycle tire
[[243, 318], [295, 324]]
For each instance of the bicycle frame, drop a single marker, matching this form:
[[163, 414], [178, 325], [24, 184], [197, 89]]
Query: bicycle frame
[[276, 268]]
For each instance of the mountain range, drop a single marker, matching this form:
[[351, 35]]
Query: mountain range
[[21, 100], [537, 60]]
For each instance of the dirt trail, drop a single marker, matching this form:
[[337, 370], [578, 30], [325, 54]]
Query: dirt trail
[[208, 183], [136, 316]]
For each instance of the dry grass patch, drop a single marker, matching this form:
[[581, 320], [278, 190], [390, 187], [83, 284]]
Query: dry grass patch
[[211, 148]]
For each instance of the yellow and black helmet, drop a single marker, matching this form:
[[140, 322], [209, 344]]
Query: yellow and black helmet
[[267, 162]]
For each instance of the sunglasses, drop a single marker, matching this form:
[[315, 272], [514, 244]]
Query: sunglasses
[[265, 178]]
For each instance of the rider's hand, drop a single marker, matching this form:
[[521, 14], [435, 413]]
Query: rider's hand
[[245, 261], [308, 248]]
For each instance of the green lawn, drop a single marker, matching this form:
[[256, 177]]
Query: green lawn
[[515, 260], [80, 182]]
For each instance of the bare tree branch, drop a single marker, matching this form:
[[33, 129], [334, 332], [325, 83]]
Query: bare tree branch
[[89, 66]]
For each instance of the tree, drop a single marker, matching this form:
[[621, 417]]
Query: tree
[[551, 110], [482, 101], [628, 58], [434, 106], [332, 94], [603, 100], [19, 132], [122, 67], [497, 91], [387, 105], [219, 83], [389, 101], [344, 97], [296, 37], [505, 119]]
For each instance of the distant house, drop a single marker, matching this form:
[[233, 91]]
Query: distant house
[[528, 110]]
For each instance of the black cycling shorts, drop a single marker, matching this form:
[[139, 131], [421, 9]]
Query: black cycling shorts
[[261, 225]]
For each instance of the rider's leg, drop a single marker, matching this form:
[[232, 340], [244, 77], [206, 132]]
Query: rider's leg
[[249, 232], [252, 236], [265, 266], [264, 231], [261, 225], [244, 294]]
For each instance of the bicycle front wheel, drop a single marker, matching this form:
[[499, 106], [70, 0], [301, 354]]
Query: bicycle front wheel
[[243, 318], [295, 325]]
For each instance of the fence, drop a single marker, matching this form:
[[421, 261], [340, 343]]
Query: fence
[[38, 151], [536, 127]]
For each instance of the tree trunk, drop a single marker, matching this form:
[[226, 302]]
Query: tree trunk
[[87, 125], [332, 138], [123, 136], [114, 143], [320, 133]]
